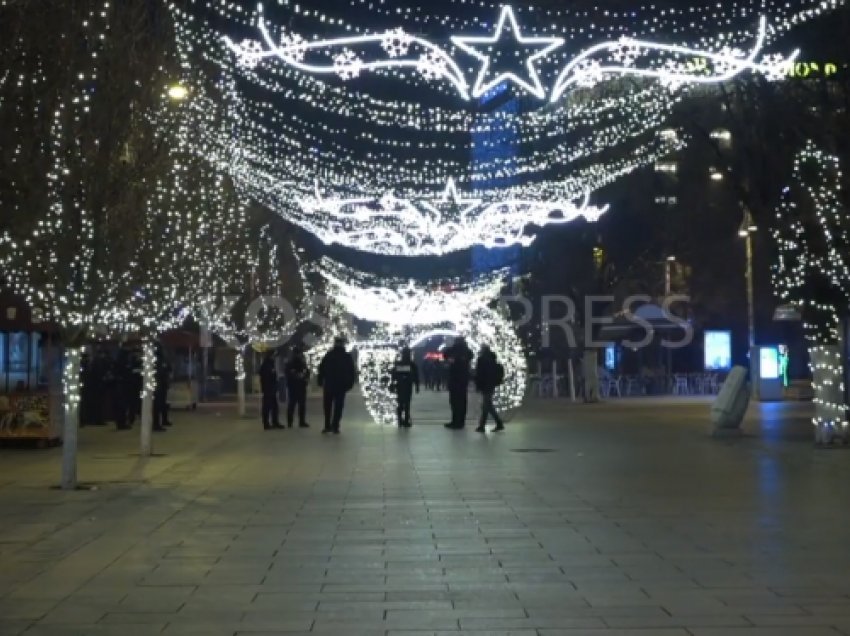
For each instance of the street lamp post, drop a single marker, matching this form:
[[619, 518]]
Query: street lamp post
[[668, 275], [746, 231]]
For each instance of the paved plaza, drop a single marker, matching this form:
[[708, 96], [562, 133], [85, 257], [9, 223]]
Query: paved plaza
[[616, 519]]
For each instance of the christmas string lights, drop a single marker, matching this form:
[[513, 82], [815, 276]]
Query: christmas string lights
[[812, 272], [406, 311], [349, 57], [302, 110], [401, 227]]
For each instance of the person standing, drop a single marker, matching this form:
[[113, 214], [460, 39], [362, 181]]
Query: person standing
[[100, 378], [122, 398], [162, 377], [405, 376], [268, 385], [489, 374], [459, 359], [297, 375], [336, 377]]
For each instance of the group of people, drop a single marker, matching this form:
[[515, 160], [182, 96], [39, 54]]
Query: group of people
[[489, 374], [112, 389], [337, 376]]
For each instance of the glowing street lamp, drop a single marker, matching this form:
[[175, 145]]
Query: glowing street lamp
[[178, 92], [668, 275]]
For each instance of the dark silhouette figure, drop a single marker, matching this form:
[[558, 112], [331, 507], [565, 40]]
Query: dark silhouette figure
[[405, 377], [489, 374], [336, 376], [297, 376], [458, 359], [268, 386], [162, 376], [122, 400], [100, 378]]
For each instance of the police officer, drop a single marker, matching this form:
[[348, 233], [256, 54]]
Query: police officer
[[405, 376], [459, 360], [489, 374], [268, 385], [337, 375], [297, 375]]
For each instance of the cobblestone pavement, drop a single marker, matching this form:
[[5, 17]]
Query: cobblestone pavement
[[603, 520]]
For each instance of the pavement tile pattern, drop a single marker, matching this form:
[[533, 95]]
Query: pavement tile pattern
[[634, 523]]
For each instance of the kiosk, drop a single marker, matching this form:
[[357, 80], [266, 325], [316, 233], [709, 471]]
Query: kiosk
[[766, 371]]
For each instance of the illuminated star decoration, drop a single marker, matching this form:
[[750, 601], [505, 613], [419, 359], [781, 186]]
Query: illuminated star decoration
[[475, 45], [452, 205]]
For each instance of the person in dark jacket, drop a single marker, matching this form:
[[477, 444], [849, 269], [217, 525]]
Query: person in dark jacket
[[268, 386], [162, 376], [458, 359], [405, 377], [297, 375], [487, 378], [336, 376]]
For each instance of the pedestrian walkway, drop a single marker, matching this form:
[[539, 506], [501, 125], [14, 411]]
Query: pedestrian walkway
[[592, 520]]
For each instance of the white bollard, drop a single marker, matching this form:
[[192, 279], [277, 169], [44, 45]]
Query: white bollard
[[572, 379], [555, 379]]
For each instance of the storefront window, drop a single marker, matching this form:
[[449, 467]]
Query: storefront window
[[20, 361]]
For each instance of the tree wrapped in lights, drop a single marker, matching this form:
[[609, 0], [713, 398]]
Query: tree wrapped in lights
[[110, 227], [812, 234], [82, 97]]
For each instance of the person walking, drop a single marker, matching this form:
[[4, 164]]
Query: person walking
[[405, 377], [162, 377], [336, 377], [268, 386], [458, 359], [489, 374], [297, 375]]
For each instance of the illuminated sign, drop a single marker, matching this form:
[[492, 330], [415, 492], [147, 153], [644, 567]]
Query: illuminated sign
[[718, 350], [769, 363], [611, 357]]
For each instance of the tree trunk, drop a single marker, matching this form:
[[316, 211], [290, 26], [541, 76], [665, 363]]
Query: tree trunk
[[828, 380], [148, 387], [240, 381], [71, 422]]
